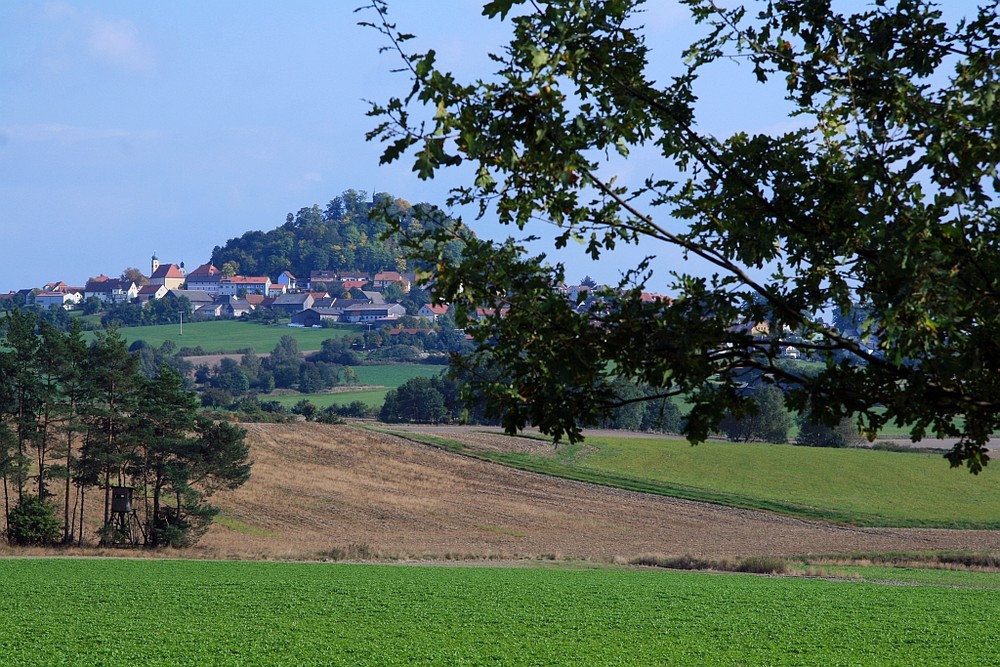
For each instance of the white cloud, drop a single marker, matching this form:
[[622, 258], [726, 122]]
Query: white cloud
[[116, 43], [312, 177]]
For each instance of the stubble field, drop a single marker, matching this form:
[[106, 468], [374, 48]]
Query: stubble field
[[321, 490]]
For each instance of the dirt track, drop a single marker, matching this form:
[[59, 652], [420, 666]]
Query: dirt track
[[317, 488]]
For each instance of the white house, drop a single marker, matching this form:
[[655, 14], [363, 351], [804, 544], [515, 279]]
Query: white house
[[111, 290], [151, 291], [385, 278], [432, 312], [205, 278], [62, 299], [373, 312], [245, 284], [287, 280]]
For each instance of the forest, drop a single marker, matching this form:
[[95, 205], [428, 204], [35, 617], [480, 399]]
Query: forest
[[340, 237], [79, 421]]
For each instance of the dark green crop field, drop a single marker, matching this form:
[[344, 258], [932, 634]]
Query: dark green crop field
[[149, 612]]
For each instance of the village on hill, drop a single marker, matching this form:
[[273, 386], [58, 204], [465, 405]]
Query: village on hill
[[325, 296], [352, 297]]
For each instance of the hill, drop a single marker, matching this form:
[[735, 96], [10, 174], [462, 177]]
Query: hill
[[343, 236], [318, 490]]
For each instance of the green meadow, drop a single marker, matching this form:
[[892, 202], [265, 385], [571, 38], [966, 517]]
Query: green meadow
[[385, 377], [370, 397], [158, 612], [227, 336], [393, 375], [858, 486]]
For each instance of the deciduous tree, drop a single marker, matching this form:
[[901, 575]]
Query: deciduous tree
[[879, 191]]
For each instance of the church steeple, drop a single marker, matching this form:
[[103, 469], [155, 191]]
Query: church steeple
[[154, 264]]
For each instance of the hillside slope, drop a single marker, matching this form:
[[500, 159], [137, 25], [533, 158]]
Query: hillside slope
[[319, 489]]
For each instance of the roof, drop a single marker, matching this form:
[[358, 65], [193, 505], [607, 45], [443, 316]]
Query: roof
[[348, 303], [206, 270], [105, 284], [652, 297], [168, 271], [371, 308], [374, 297], [195, 296], [388, 275], [437, 310], [294, 299], [411, 331], [235, 302]]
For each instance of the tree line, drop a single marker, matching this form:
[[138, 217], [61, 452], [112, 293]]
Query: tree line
[[78, 420]]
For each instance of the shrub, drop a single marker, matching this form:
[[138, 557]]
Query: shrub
[[762, 565], [815, 434], [353, 551], [330, 417], [33, 523], [765, 419], [305, 408], [685, 562]]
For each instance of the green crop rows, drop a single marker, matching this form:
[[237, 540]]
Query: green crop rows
[[147, 612]]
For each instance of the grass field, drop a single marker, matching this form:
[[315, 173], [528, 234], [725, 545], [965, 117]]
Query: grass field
[[889, 487], [154, 612], [385, 376], [857, 486], [370, 397], [231, 335], [393, 375]]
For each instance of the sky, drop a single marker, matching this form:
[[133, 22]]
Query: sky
[[133, 128]]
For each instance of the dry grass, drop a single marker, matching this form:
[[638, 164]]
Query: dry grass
[[325, 492], [316, 490]]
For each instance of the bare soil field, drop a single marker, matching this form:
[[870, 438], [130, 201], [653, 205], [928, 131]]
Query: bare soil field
[[319, 490]]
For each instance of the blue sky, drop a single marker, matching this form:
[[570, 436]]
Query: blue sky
[[133, 127]]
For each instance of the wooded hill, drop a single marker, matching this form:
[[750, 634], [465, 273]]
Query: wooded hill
[[341, 237]]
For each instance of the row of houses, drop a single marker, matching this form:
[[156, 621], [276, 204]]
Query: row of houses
[[214, 295], [307, 309], [374, 313], [209, 279]]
